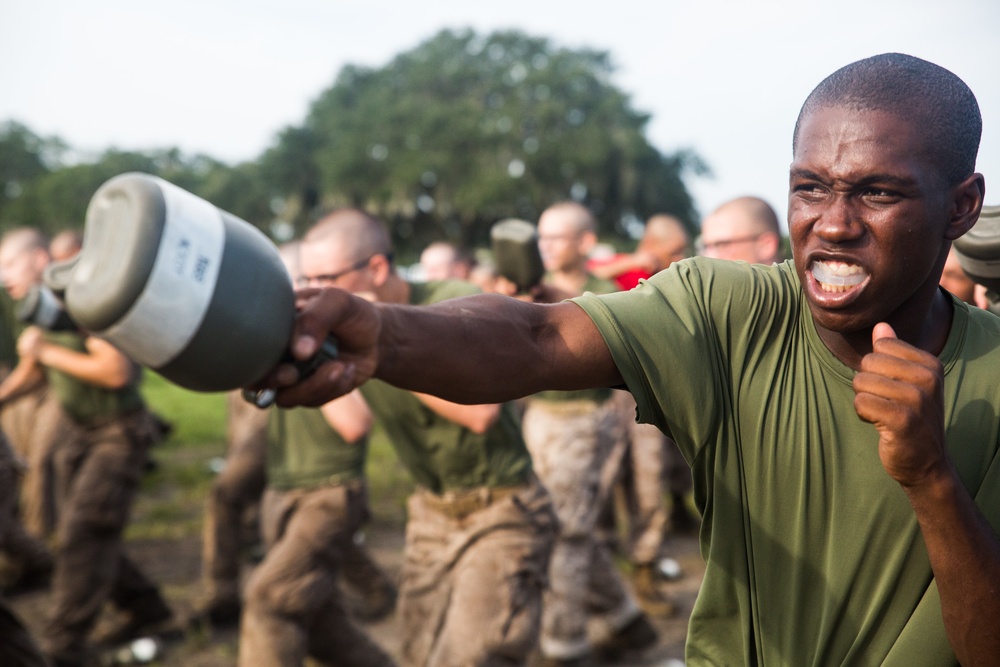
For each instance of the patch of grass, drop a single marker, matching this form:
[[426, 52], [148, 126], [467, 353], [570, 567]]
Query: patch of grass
[[197, 418], [171, 504]]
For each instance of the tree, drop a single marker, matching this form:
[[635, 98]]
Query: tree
[[57, 199], [290, 166], [240, 190], [24, 158], [465, 130]]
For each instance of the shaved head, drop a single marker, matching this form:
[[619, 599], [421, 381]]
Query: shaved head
[[567, 232], [745, 229], [928, 95], [576, 214], [356, 233], [666, 238], [756, 213], [665, 227]]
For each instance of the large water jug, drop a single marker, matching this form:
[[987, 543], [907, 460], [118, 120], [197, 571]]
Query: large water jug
[[178, 285]]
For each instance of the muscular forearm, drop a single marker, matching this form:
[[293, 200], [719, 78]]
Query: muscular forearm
[[965, 556], [478, 349], [490, 349]]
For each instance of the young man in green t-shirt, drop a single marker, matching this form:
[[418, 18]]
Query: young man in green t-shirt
[[479, 525], [315, 502], [98, 469], [30, 415], [577, 441], [840, 411]]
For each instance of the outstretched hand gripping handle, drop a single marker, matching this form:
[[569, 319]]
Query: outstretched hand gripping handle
[[264, 398]]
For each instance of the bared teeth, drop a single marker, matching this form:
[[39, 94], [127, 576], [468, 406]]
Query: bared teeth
[[837, 276]]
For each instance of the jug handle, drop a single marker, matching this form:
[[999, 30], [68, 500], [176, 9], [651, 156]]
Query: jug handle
[[264, 398]]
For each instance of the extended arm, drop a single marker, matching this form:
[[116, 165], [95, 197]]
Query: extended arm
[[479, 349], [101, 365], [899, 390]]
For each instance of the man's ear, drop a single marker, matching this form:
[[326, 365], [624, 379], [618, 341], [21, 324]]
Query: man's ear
[[770, 244], [380, 268], [588, 240], [966, 203]]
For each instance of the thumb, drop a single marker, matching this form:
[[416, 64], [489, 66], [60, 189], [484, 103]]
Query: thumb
[[882, 330]]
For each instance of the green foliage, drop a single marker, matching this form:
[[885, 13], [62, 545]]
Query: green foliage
[[465, 130], [24, 156], [444, 140], [57, 199]]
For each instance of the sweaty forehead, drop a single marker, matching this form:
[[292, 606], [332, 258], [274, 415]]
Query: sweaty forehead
[[846, 123], [841, 140]]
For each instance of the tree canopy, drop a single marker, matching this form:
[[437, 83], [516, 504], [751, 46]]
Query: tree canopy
[[465, 129], [39, 188], [444, 140]]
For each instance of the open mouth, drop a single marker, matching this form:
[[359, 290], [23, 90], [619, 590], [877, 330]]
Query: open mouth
[[837, 276]]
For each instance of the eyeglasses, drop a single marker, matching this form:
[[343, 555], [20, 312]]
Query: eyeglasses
[[701, 246], [330, 278]]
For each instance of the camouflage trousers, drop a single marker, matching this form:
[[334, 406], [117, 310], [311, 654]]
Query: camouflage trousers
[[576, 447], [653, 465], [17, 648], [16, 644], [20, 548], [35, 424], [293, 607], [474, 571], [98, 471]]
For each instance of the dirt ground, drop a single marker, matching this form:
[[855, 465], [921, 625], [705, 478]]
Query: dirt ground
[[175, 564]]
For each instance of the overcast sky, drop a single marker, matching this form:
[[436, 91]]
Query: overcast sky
[[222, 77]]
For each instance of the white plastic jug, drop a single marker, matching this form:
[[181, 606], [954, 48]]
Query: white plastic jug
[[178, 285]]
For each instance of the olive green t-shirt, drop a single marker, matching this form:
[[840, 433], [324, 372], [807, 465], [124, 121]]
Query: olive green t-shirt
[[10, 327], [814, 555], [88, 403], [304, 451], [600, 394], [440, 454]]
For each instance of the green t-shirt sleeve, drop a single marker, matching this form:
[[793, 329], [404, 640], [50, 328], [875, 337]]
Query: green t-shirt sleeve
[[684, 339], [10, 328]]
